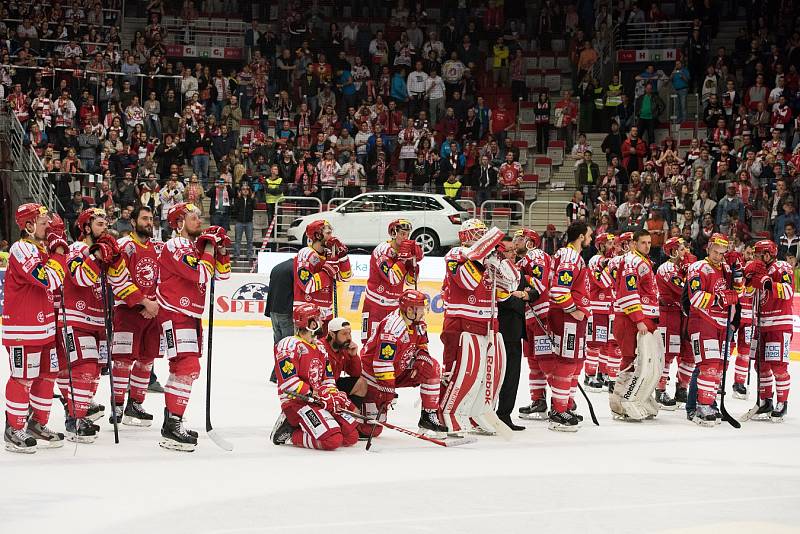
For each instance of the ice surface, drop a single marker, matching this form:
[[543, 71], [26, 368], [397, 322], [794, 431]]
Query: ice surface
[[666, 475]]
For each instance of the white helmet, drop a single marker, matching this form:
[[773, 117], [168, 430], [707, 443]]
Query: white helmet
[[471, 230]]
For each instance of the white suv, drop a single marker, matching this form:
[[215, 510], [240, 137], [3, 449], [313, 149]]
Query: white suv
[[363, 221]]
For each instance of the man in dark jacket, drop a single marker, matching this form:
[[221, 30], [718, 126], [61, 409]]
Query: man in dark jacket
[[222, 144], [588, 176], [649, 107], [484, 180], [220, 196], [243, 213], [511, 320], [279, 303]]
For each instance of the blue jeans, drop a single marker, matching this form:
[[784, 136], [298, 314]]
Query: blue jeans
[[680, 105], [282, 327], [247, 229], [221, 218], [200, 168]]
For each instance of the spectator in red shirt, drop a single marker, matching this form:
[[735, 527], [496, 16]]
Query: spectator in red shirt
[[501, 122]]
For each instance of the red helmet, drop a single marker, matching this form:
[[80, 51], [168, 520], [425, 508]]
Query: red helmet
[[400, 224], [531, 235], [766, 246], [624, 237], [720, 239], [672, 244], [603, 238], [87, 216], [178, 212], [315, 229], [413, 298], [28, 213], [304, 314]]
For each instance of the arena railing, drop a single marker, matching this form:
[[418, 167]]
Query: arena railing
[[287, 210], [28, 172], [652, 35], [206, 32], [503, 213], [468, 205]]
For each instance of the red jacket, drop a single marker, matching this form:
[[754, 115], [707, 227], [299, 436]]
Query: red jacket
[[641, 151]]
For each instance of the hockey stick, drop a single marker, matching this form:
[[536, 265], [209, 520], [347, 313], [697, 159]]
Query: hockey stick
[[69, 361], [374, 425], [553, 343], [724, 411], [450, 442], [108, 302], [756, 325], [218, 440]]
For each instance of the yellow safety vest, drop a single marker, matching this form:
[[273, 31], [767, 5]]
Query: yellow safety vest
[[614, 101], [273, 199], [451, 190]]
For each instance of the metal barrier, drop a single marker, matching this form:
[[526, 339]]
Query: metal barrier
[[468, 205], [206, 32], [653, 35], [502, 220], [549, 217], [30, 180], [288, 209]]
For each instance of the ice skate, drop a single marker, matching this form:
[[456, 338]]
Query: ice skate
[[705, 415], [45, 438], [664, 401], [739, 391], [537, 411], [117, 414], [563, 422], [592, 384], [281, 431], [95, 411], [681, 396], [19, 440], [779, 412], [135, 415], [430, 426], [571, 410], [80, 430], [765, 408], [174, 434]]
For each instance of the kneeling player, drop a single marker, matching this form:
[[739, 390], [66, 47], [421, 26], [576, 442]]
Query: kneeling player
[[303, 369], [343, 356], [396, 356]]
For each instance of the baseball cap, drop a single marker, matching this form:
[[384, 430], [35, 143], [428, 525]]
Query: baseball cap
[[337, 323]]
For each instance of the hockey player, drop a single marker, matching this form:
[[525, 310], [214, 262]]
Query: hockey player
[[536, 266], [29, 329], [670, 281], [686, 364], [601, 295], [302, 368], [136, 341], [569, 311], [468, 290], [343, 356], [95, 255], [393, 264], [317, 267], [744, 334], [637, 299], [712, 295], [187, 263], [773, 281], [609, 370], [396, 356]]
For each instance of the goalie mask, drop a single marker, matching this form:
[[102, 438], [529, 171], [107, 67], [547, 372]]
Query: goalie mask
[[471, 231]]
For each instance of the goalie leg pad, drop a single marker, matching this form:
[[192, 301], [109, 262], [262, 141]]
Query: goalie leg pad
[[633, 390], [460, 394]]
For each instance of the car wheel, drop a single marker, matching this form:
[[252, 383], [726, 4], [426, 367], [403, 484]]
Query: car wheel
[[427, 239]]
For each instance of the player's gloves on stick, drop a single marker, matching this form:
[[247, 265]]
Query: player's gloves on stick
[[56, 235], [337, 248], [105, 249], [727, 297], [755, 270]]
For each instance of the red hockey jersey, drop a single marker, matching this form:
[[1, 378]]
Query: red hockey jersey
[[467, 292], [391, 350], [83, 293], [536, 267], [301, 367], [183, 275], [776, 304], [313, 284], [387, 276], [670, 282], [570, 289], [510, 174], [31, 280], [706, 282], [601, 285], [141, 260], [636, 288]]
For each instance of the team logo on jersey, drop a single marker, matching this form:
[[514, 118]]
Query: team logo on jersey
[[191, 261], [287, 368], [677, 281], [565, 278], [630, 281], [328, 370], [387, 351], [694, 285], [185, 302], [315, 371], [452, 266], [471, 299], [385, 268], [80, 305], [40, 275], [786, 279], [304, 275], [74, 264], [146, 269], [537, 272]]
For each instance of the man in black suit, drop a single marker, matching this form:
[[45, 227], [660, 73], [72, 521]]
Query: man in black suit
[[511, 318]]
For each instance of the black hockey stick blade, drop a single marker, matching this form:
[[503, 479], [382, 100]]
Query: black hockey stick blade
[[589, 404]]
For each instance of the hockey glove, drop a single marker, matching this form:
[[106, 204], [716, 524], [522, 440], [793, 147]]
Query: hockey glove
[[406, 250], [107, 248], [418, 252], [331, 271], [327, 398], [56, 235], [727, 298], [337, 248], [755, 270]]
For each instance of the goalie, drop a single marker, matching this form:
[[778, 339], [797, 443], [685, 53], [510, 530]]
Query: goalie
[[642, 352], [474, 355]]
